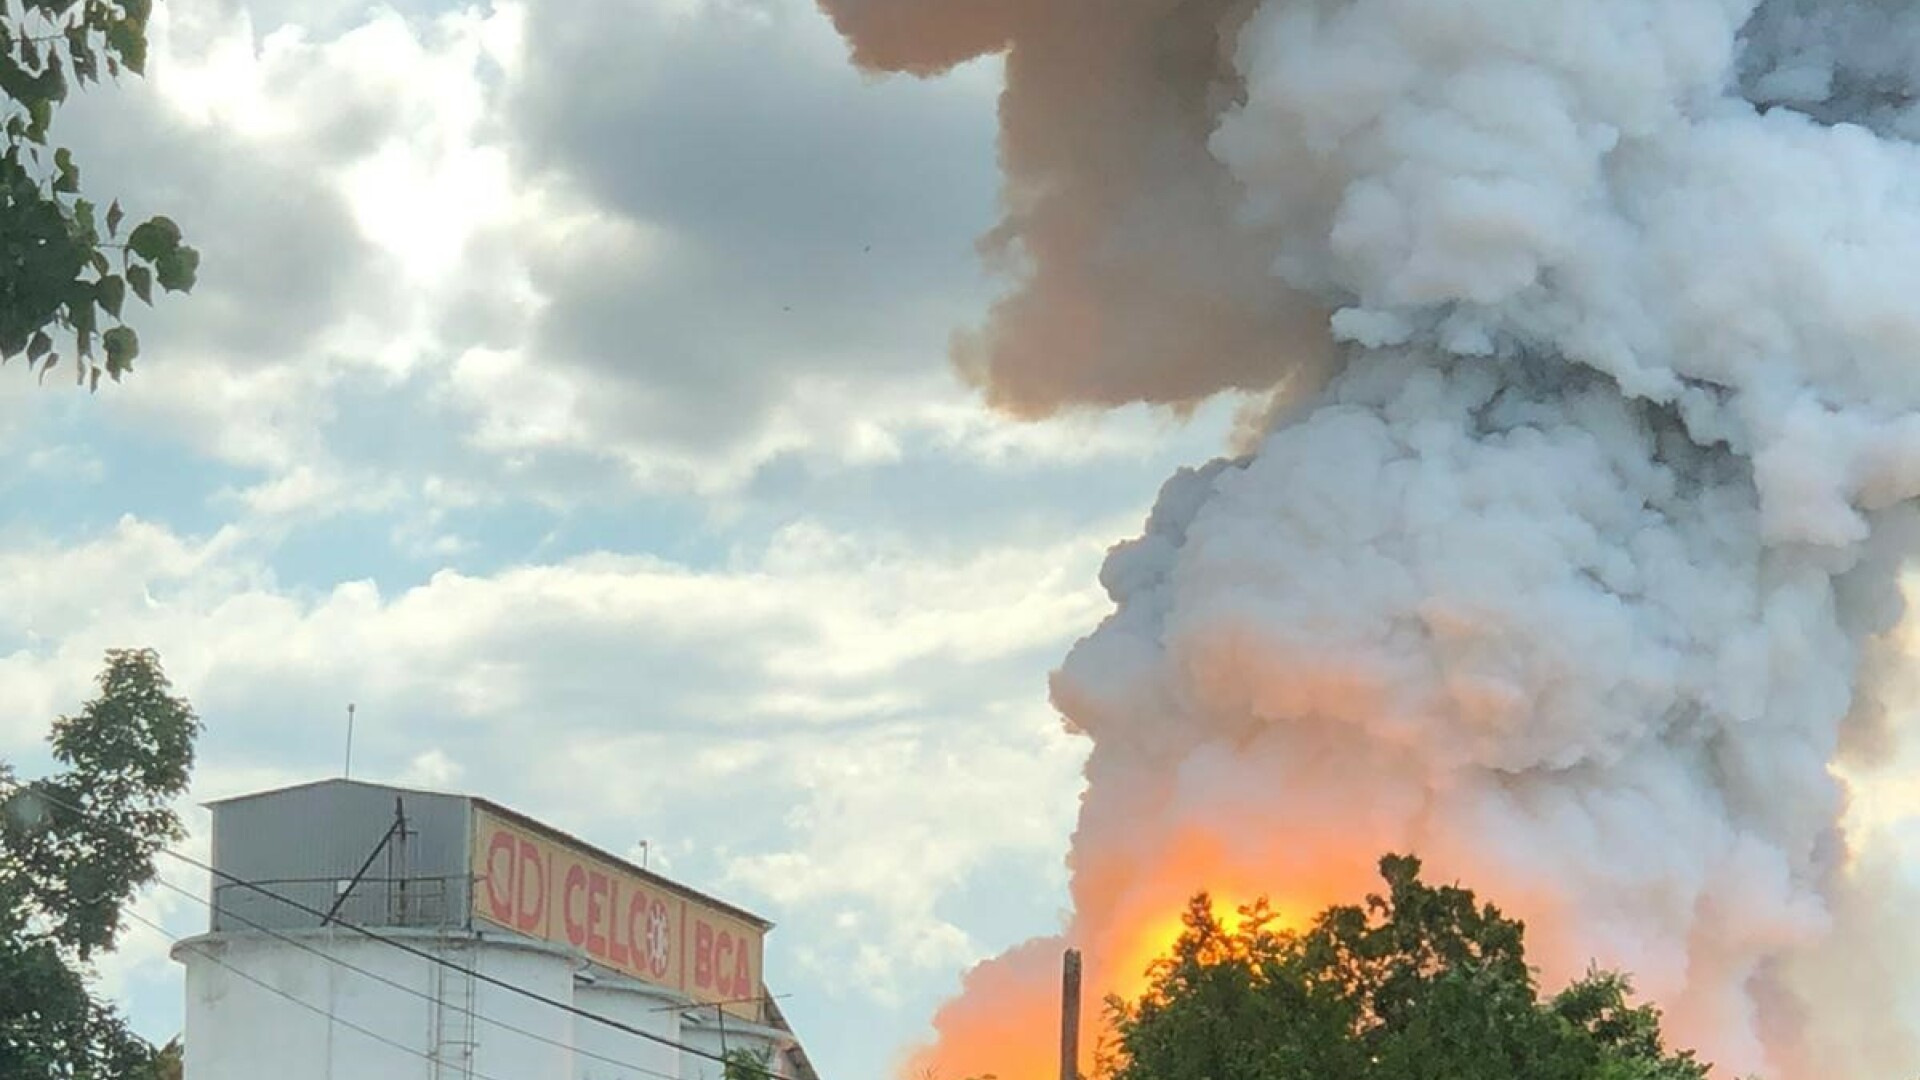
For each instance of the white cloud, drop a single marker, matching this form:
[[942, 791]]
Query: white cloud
[[433, 770], [555, 258], [467, 264], [887, 827], [862, 714]]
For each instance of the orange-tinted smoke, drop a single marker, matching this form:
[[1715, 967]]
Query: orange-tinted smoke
[[1129, 277], [1006, 1020]]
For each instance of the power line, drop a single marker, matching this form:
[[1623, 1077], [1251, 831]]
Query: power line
[[332, 1018], [491, 980], [398, 985]]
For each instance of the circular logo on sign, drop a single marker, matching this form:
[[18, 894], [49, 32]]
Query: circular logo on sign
[[659, 944]]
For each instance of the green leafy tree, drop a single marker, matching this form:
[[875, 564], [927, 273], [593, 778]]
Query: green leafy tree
[[1421, 983], [169, 1062], [744, 1064], [74, 849], [65, 269]]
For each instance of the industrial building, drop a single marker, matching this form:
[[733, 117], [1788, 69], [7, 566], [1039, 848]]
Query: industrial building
[[366, 931]]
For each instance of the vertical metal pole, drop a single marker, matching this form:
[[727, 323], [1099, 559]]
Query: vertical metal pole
[[399, 851], [347, 772], [1070, 1016]]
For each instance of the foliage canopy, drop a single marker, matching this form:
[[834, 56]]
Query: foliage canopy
[[65, 267], [74, 849], [1421, 983]]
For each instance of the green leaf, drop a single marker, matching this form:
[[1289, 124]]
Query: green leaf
[[13, 340], [40, 346], [80, 301], [80, 317], [123, 345], [53, 81], [39, 115], [127, 38], [112, 291], [114, 215], [153, 238], [100, 264], [53, 361], [141, 279], [178, 269], [86, 65]]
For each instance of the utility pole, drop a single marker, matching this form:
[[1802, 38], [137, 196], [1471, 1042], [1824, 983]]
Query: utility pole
[[397, 860], [1070, 1016]]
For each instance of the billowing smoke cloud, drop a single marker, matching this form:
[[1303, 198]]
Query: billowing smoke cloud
[[1138, 280], [1571, 566]]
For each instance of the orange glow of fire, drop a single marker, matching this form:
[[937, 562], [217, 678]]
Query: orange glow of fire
[[1156, 938], [1128, 914]]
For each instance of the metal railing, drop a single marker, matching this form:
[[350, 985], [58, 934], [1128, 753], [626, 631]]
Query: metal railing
[[428, 903]]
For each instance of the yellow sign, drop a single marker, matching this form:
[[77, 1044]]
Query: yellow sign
[[633, 924]]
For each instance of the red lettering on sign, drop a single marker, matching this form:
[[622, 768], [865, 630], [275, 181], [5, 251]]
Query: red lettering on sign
[[619, 933], [567, 897], [501, 866], [575, 914], [702, 954], [723, 964], [637, 929], [529, 869], [597, 910]]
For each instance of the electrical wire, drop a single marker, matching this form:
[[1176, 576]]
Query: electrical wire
[[403, 987], [512, 988], [332, 1017]]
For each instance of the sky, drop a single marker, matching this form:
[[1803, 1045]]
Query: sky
[[572, 396]]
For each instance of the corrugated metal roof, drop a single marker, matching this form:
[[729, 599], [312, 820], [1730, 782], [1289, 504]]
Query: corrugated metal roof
[[290, 788], [530, 823], [301, 842]]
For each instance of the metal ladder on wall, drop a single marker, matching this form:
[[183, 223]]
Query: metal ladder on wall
[[452, 1035]]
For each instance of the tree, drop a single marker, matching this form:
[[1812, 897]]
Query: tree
[[58, 270], [1422, 983], [745, 1064], [74, 849], [169, 1062]]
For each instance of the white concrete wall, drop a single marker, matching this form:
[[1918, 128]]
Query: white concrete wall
[[709, 1038], [239, 1030], [633, 1004]]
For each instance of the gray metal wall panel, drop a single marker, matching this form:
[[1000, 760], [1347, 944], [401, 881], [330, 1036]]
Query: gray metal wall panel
[[301, 842]]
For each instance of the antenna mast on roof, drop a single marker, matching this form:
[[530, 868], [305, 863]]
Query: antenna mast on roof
[[347, 772]]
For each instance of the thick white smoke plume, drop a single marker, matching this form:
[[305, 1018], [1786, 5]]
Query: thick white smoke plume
[[1565, 560]]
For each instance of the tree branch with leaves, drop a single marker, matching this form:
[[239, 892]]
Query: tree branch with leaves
[[65, 271], [1420, 982], [75, 849]]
